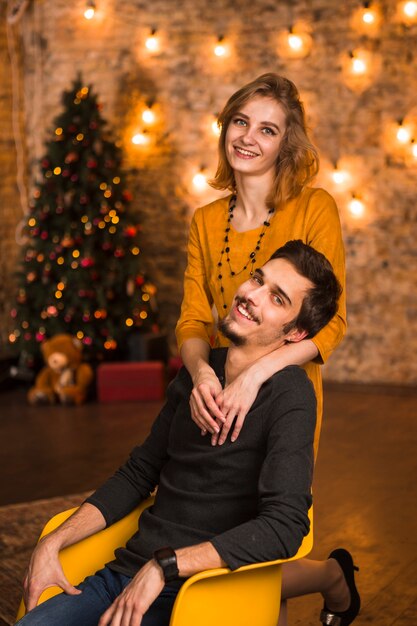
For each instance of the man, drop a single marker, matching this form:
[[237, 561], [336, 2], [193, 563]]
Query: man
[[216, 506]]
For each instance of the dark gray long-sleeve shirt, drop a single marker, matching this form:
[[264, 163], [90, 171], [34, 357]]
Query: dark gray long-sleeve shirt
[[249, 498]]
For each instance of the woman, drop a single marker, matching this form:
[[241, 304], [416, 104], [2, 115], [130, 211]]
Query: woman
[[267, 160]]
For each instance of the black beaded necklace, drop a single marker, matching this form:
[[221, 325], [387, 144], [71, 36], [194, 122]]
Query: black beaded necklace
[[222, 264]]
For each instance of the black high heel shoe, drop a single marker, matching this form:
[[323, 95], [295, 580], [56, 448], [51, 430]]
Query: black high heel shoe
[[343, 618]]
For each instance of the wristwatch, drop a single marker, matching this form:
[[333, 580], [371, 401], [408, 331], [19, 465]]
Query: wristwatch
[[167, 561]]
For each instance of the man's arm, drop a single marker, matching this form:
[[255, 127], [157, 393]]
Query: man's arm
[[131, 605], [130, 484], [44, 568]]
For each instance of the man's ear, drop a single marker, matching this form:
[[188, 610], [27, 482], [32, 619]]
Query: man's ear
[[296, 335]]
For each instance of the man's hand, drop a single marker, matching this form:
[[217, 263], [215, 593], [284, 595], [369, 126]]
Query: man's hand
[[44, 571], [131, 605], [235, 402], [204, 410]]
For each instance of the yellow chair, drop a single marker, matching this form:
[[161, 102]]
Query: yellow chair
[[249, 596]]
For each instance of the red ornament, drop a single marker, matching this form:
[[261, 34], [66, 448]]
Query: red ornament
[[91, 163], [119, 253], [127, 196], [130, 231], [87, 262], [139, 280], [44, 235], [71, 157]]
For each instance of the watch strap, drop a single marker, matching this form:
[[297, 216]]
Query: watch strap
[[167, 561]]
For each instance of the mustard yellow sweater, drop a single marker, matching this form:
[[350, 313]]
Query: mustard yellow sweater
[[312, 217]]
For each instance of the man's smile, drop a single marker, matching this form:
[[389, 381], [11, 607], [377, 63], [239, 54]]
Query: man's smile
[[245, 311]]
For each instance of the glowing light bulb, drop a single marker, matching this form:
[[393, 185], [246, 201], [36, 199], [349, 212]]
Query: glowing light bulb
[[358, 66], [339, 176], [410, 9], [148, 116], [140, 139], [90, 10], [220, 49], [200, 181], [369, 17], [215, 127], [356, 207], [152, 42], [295, 42], [403, 134]]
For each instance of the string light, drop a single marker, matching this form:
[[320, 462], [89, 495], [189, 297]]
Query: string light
[[220, 49], [358, 64], [339, 177], [356, 207], [403, 133], [152, 42], [90, 10], [140, 139], [414, 149], [215, 126], [294, 43], [410, 10], [148, 116], [200, 180]]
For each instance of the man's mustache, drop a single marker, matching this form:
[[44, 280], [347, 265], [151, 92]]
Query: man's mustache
[[242, 300]]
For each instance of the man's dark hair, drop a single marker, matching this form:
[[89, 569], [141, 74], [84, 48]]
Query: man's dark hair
[[320, 302]]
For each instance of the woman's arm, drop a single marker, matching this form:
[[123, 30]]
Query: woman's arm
[[237, 398], [194, 330], [206, 385]]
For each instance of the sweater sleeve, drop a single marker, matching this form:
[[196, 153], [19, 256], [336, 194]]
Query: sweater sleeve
[[285, 480], [325, 235], [196, 318], [137, 478]]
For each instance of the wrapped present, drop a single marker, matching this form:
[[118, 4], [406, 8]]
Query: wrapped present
[[127, 381]]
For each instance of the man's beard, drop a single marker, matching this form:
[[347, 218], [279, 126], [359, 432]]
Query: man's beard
[[224, 327]]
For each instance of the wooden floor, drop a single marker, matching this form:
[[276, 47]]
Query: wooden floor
[[365, 495]]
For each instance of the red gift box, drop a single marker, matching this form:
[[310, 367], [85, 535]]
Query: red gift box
[[118, 382]]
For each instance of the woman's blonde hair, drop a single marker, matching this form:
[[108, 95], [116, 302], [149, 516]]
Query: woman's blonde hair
[[298, 161]]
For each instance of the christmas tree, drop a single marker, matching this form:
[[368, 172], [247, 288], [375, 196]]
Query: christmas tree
[[81, 269]]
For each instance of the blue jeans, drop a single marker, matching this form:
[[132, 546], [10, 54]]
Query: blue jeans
[[98, 593]]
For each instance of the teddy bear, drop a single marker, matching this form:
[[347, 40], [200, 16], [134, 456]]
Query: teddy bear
[[64, 378]]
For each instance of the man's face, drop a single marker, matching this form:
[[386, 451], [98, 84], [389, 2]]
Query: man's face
[[264, 304]]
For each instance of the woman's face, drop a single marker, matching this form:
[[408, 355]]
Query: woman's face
[[254, 136]]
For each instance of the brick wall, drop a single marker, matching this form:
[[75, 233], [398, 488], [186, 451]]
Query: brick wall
[[10, 207], [352, 118]]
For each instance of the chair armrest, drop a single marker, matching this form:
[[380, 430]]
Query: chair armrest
[[91, 554]]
